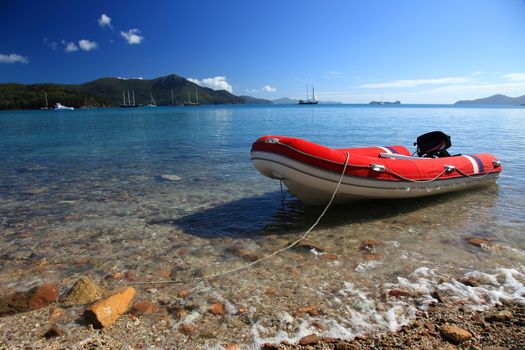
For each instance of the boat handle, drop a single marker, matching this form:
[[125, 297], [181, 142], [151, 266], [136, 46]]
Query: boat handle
[[272, 140], [380, 168]]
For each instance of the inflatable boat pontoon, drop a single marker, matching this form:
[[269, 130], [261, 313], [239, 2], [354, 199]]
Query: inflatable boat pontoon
[[311, 171]]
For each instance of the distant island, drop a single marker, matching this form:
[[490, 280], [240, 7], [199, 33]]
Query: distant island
[[495, 100], [108, 92], [384, 103]]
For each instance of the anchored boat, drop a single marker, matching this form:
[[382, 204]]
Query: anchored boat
[[311, 171]]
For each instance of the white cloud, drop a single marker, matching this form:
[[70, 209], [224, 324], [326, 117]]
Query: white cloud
[[87, 45], [13, 58], [71, 47], [269, 88], [104, 20], [217, 83], [416, 82], [514, 76], [132, 36]]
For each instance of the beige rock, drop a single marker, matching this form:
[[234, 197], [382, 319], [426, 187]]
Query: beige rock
[[455, 334], [84, 291], [311, 339], [106, 311], [501, 316]]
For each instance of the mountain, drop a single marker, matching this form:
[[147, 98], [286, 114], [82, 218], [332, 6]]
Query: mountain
[[107, 92], [255, 101], [285, 101], [495, 100]]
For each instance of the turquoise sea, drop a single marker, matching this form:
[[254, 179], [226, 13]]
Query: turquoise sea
[[169, 192]]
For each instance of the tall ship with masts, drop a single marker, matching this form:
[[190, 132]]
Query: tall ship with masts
[[47, 106], [309, 101], [127, 103], [190, 102]]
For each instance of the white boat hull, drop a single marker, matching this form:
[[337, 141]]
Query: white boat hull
[[315, 186]]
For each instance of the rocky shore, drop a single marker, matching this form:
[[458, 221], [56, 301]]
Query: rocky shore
[[442, 326], [88, 316]]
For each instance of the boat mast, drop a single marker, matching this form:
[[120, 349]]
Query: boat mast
[[133, 91], [123, 98], [45, 94], [313, 93], [306, 92], [172, 97], [189, 99], [129, 99]]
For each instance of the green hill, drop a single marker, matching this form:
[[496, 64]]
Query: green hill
[[107, 92]]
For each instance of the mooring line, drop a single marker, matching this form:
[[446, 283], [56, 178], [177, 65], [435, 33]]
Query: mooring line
[[245, 266]]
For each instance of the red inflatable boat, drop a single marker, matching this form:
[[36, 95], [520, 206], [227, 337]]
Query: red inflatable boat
[[312, 171]]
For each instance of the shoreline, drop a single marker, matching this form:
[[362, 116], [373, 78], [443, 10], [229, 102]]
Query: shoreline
[[443, 324]]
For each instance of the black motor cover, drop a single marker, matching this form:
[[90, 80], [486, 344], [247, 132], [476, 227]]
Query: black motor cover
[[433, 144]]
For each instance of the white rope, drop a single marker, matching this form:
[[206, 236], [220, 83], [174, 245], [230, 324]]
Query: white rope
[[211, 276]]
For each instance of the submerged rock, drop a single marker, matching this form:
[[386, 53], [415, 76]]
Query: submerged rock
[[84, 291], [170, 177], [478, 241], [32, 299], [369, 245], [106, 311], [308, 243]]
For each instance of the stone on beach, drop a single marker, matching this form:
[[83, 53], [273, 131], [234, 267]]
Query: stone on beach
[[106, 311], [401, 293], [455, 334], [53, 332], [143, 307], [500, 316], [84, 291], [32, 299], [217, 309], [310, 339]]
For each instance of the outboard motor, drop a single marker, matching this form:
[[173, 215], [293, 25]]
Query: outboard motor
[[433, 144]]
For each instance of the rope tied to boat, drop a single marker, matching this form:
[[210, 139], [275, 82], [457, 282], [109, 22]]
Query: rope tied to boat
[[290, 245]]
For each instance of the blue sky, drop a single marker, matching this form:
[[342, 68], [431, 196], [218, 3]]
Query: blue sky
[[351, 51]]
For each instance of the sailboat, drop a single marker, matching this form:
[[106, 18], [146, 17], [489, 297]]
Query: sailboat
[[152, 104], [190, 102], [308, 101], [47, 106], [128, 104], [173, 100]]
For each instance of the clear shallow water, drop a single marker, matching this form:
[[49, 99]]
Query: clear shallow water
[[82, 193]]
